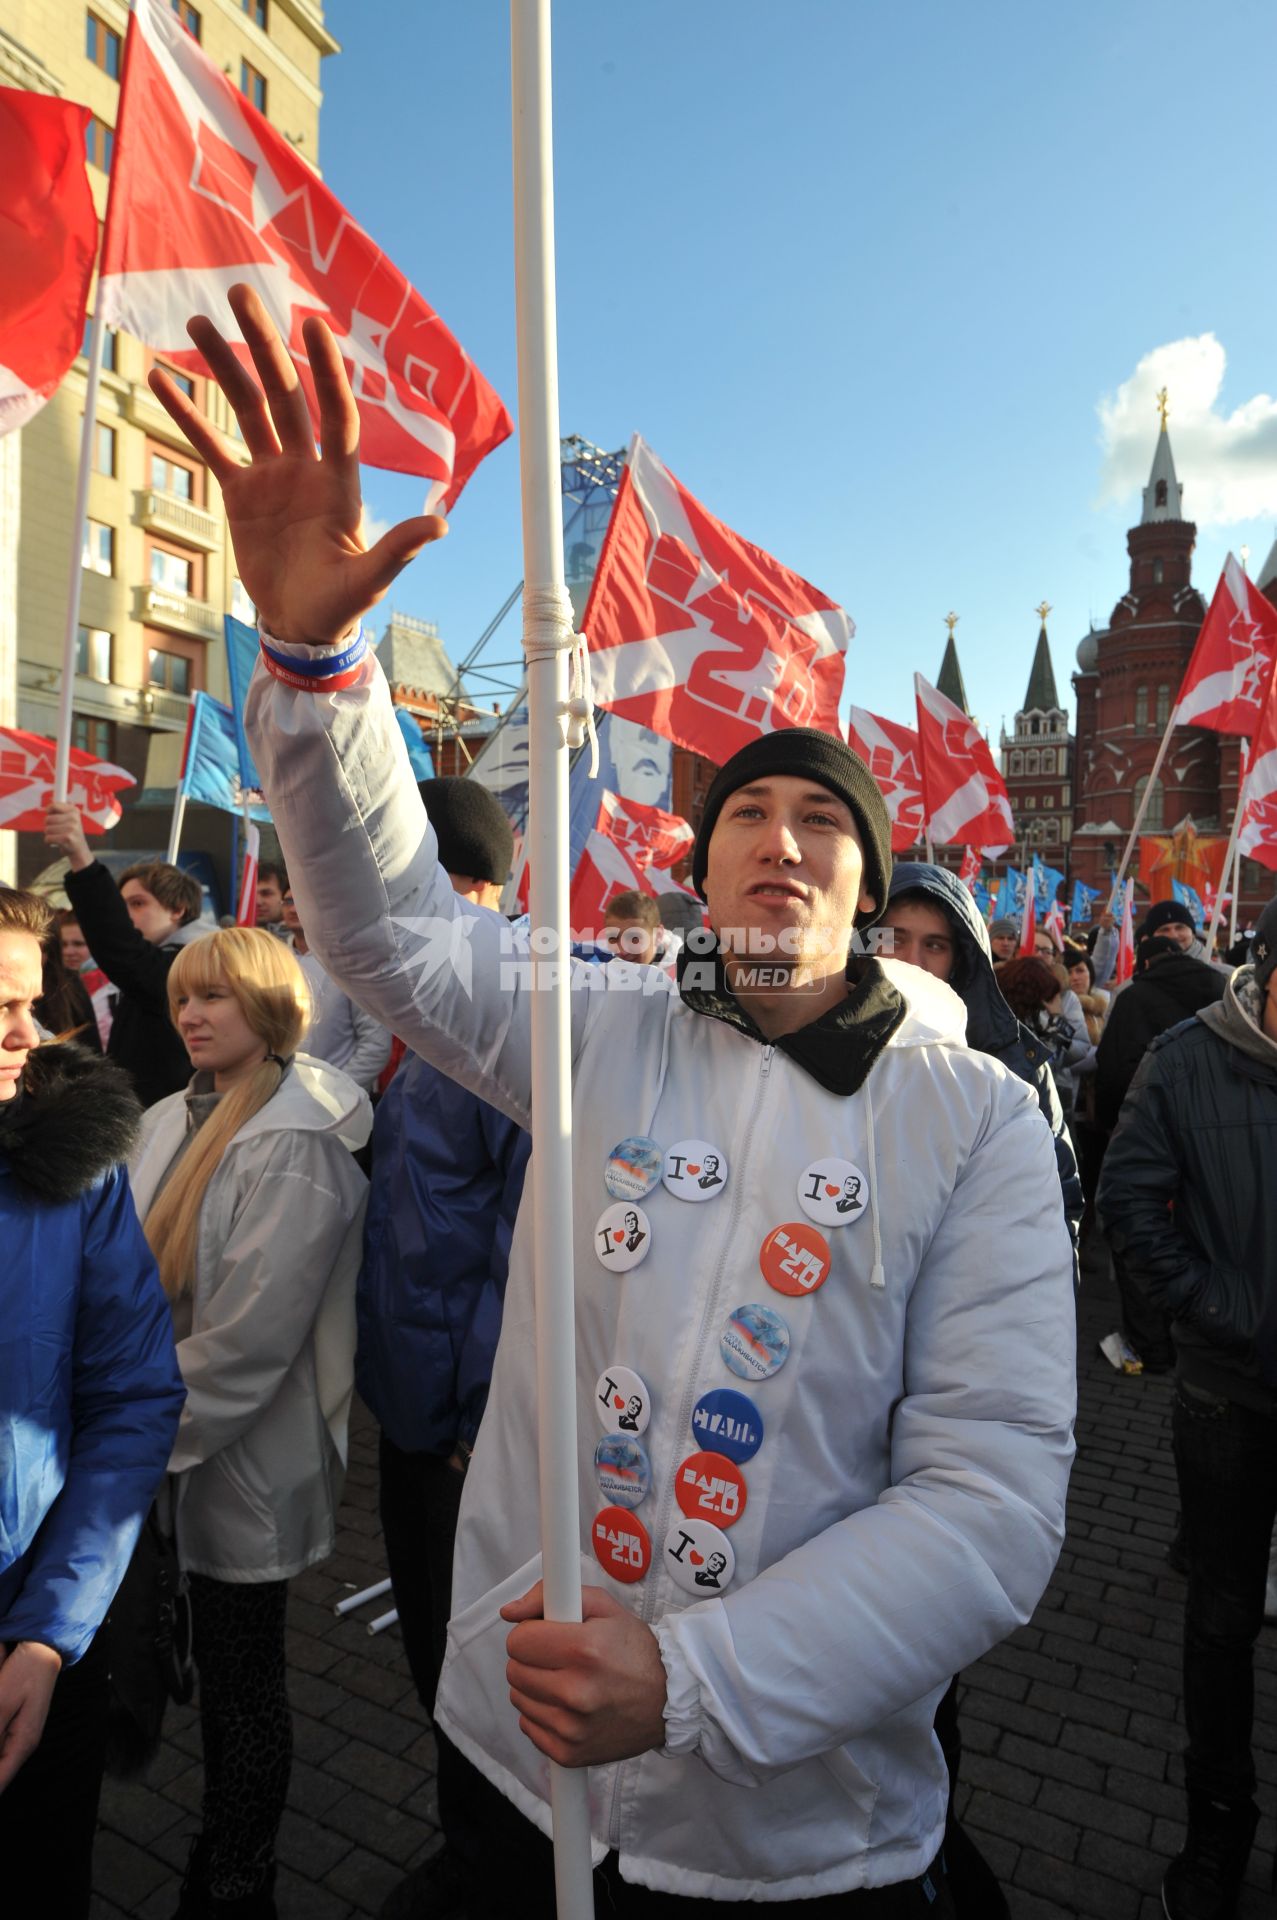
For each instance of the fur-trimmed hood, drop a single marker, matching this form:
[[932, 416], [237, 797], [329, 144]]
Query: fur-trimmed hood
[[79, 1118]]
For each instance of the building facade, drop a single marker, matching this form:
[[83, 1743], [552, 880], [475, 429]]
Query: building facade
[[1037, 762], [158, 570]]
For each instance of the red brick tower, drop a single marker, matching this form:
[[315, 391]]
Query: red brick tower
[[1037, 760]]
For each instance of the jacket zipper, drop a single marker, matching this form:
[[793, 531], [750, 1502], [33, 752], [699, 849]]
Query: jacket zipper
[[739, 1163]]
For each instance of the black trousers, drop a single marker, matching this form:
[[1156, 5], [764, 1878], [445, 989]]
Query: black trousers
[[246, 1727], [420, 1497], [50, 1810], [1226, 1459]]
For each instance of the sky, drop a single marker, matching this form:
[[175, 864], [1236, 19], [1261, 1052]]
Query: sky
[[889, 287]]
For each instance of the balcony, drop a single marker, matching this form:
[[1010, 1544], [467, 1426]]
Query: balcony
[[180, 613], [165, 513]]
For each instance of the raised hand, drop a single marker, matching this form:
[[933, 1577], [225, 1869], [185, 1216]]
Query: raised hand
[[294, 515]]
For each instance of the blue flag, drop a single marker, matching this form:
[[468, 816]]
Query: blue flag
[[241, 658], [1006, 907], [1084, 899], [423, 767], [982, 897], [1046, 883], [210, 765], [1190, 898]]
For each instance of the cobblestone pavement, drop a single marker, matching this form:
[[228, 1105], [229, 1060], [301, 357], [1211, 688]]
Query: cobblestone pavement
[[1071, 1775]]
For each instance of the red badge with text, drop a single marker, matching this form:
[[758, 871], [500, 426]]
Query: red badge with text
[[709, 1486], [621, 1544], [795, 1259]]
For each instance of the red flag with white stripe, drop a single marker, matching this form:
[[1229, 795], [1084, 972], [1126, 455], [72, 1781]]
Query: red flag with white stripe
[[48, 241], [700, 635], [892, 756], [1029, 919], [26, 784], [626, 842], [246, 905], [966, 798], [969, 871], [205, 192], [1227, 678], [1124, 966], [1257, 837]]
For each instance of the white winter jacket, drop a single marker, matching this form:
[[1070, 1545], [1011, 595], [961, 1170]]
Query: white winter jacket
[[906, 1506], [269, 1364]]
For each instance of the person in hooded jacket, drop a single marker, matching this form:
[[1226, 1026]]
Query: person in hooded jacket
[[907, 1401], [252, 1200], [135, 931], [1188, 1198], [89, 1401], [960, 952]]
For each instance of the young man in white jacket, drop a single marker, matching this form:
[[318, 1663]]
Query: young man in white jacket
[[834, 1432]]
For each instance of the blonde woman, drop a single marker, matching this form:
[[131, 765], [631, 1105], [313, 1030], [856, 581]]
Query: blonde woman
[[254, 1208]]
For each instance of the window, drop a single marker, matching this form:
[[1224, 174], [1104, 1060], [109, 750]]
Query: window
[[1158, 573], [1031, 802], [172, 477], [1066, 796], [1035, 726], [1163, 707], [1052, 829], [256, 11], [1048, 760], [1048, 800], [99, 144], [1033, 761], [92, 736], [93, 653], [182, 381], [169, 671], [1159, 496], [189, 17], [170, 571], [1017, 763], [99, 548], [108, 344], [252, 85], [1152, 822], [1141, 709], [104, 451], [102, 45]]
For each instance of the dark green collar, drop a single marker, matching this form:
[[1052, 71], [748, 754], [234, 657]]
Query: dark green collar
[[837, 1049]]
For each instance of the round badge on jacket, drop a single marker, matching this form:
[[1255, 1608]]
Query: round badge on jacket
[[622, 1401], [728, 1422], [795, 1259], [755, 1342], [709, 1486], [694, 1170], [623, 1470], [621, 1544], [633, 1167], [622, 1236], [699, 1557], [833, 1193]]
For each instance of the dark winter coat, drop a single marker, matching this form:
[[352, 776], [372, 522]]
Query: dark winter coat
[[1170, 989], [90, 1391], [143, 1040], [1188, 1195], [992, 1028], [447, 1178]]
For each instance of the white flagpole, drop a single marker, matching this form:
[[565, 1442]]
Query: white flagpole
[[66, 698], [1227, 867], [175, 826], [1142, 809], [547, 642], [1232, 905]]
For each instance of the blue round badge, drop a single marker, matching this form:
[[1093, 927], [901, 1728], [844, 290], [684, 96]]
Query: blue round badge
[[623, 1469], [725, 1421], [633, 1168], [755, 1342]]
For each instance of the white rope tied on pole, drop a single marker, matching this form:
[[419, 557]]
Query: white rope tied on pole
[[580, 706]]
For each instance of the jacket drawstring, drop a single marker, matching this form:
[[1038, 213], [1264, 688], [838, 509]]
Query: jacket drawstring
[[877, 1277], [665, 1060]]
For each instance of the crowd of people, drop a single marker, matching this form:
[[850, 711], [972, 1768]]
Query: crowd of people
[[825, 1437]]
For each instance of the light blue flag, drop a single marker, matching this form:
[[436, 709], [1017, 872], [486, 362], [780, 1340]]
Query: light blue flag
[[1084, 899], [1190, 898], [210, 764], [419, 759], [1005, 907], [1046, 883], [982, 897], [241, 658]]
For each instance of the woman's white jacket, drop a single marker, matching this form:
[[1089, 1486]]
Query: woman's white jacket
[[269, 1361]]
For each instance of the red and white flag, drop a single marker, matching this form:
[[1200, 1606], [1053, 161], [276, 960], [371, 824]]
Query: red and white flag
[[1228, 675], [26, 784], [1257, 837], [892, 756], [48, 242], [1124, 966], [966, 799], [969, 871], [627, 840], [1029, 918], [205, 192], [246, 904], [700, 635], [1053, 923]]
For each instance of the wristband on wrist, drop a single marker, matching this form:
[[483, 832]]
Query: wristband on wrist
[[329, 675]]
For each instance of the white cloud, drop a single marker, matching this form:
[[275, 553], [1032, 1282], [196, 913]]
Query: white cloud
[[1226, 461], [373, 527]]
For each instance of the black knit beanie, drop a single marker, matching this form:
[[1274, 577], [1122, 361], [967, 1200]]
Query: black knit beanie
[[1263, 946], [475, 838], [1167, 913], [807, 753]]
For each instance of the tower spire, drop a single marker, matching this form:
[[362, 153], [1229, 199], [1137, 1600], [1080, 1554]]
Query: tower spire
[[1163, 496], [949, 682], [1041, 696]]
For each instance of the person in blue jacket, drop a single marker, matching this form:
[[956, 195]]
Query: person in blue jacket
[[447, 1175], [90, 1395]]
